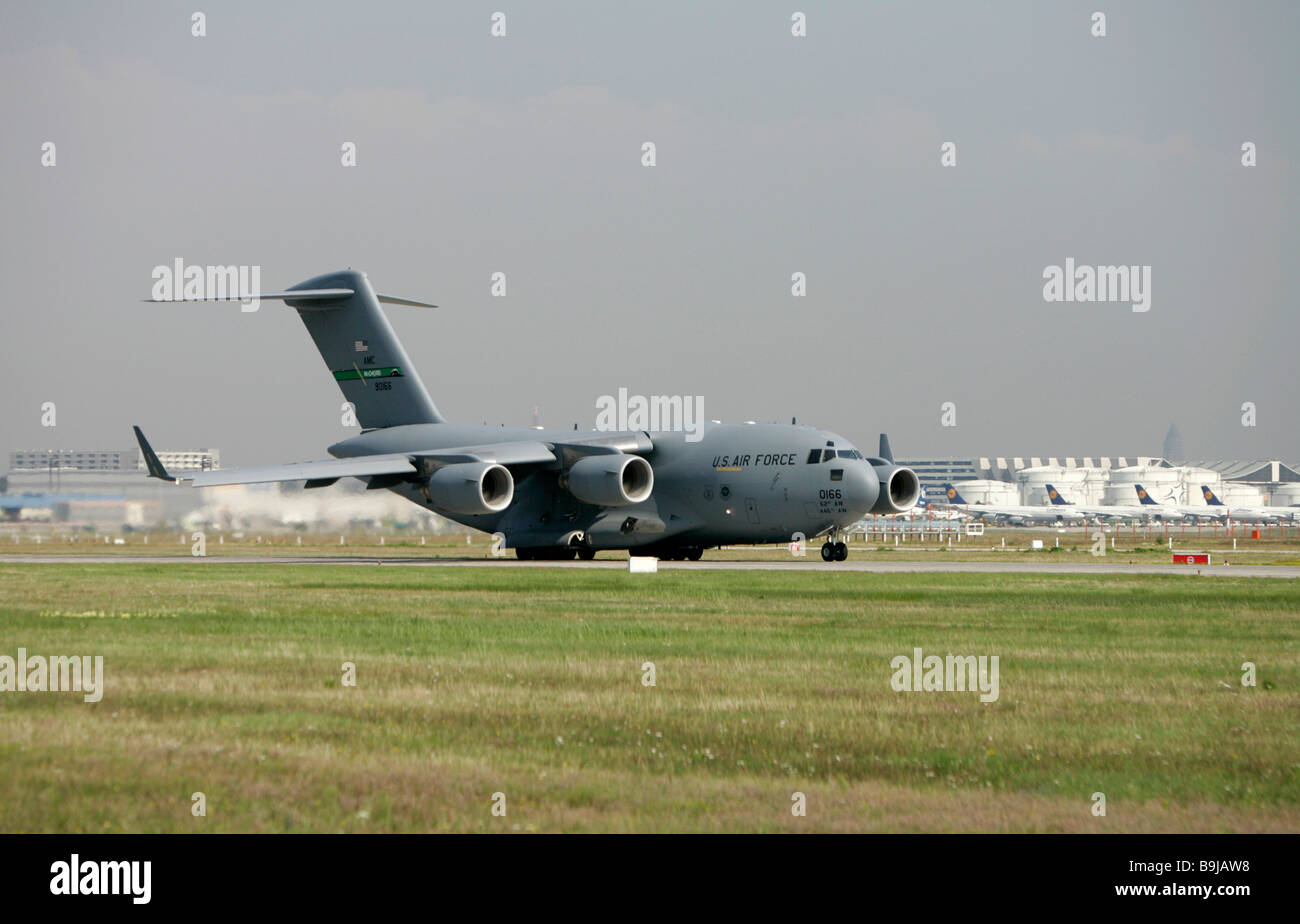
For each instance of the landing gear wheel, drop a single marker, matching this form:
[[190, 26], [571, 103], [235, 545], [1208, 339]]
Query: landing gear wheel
[[841, 551], [828, 552], [586, 554], [694, 554]]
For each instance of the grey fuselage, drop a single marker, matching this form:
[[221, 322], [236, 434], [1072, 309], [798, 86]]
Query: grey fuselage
[[738, 484]]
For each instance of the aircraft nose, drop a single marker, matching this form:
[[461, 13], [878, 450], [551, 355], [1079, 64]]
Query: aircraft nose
[[861, 488]]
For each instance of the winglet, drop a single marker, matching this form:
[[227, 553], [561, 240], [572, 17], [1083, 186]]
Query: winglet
[[151, 460], [885, 452]]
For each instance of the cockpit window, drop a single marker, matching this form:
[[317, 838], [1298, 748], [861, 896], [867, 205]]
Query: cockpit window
[[825, 455]]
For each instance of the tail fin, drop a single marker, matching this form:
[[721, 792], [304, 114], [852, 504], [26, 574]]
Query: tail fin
[[365, 356], [341, 312], [886, 451], [1210, 498], [954, 497], [1055, 497], [1143, 496]]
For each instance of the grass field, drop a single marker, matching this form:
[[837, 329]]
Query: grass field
[[226, 679]]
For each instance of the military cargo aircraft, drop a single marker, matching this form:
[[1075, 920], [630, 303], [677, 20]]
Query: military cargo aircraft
[[561, 494]]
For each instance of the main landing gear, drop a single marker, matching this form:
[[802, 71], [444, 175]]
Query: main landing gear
[[835, 550], [689, 553], [671, 553], [560, 553], [546, 553]]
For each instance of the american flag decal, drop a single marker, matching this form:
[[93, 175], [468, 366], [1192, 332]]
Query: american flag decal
[[360, 346]]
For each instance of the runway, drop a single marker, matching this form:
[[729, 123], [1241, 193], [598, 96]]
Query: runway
[[878, 567]]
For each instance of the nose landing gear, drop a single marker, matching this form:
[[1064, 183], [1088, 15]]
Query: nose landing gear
[[835, 550]]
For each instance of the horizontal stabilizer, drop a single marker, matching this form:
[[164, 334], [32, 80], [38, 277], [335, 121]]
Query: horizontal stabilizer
[[409, 302], [297, 295], [294, 295]]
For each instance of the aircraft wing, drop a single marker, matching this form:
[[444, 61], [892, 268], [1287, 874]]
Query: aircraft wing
[[526, 452], [326, 471], [398, 463]]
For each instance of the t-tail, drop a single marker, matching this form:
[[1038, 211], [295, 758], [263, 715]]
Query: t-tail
[[954, 496], [1210, 498], [1055, 497], [1143, 496], [341, 312]]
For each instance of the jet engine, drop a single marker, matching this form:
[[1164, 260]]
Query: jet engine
[[471, 488], [612, 480], [900, 489]]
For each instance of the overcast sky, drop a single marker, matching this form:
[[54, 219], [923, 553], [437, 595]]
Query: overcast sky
[[775, 155]]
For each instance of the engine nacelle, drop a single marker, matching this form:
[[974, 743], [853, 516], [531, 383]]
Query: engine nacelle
[[472, 488], [900, 489], [612, 480]]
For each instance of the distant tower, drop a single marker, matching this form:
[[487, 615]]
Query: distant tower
[[537, 418], [1174, 451]]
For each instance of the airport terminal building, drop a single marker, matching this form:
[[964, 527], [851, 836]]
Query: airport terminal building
[[1110, 479], [108, 487], [111, 490]]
